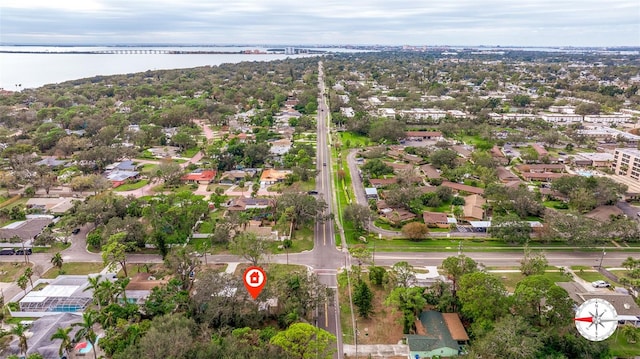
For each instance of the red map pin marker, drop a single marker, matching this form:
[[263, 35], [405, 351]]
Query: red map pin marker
[[254, 279]]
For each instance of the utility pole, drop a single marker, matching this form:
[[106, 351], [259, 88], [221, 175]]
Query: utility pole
[[602, 258]]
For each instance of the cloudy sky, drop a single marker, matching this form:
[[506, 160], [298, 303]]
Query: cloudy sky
[[389, 22]]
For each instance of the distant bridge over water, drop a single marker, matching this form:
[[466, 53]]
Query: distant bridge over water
[[122, 52], [167, 51]]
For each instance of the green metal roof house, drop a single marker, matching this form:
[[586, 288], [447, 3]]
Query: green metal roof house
[[439, 336]]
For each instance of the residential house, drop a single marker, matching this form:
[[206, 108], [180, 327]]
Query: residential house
[[397, 153], [399, 215], [435, 219], [118, 178], [627, 309], [140, 287], [387, 112], [58, 205], [51, 162], [506, 176], [463, 151], [473, 207], [243, 203], [459, 187], [235, 176], [382, 182], [272, 176], [440, 335], [540, 150], [26, 230], [541, 168], [397, 167], [371, 193], [127, 165], [347, 111], [40, 332], [498, 156], [543, 176], [423, 135], [280, 147], [430, 171], [200, 176]]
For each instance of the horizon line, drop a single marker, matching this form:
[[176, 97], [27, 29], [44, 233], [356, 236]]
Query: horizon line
[[312, 45]]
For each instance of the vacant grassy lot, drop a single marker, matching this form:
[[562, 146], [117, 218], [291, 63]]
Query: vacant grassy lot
[[384, 325], [620, 348], [511, 279], [131, 186], [74, 268], [10, 272]]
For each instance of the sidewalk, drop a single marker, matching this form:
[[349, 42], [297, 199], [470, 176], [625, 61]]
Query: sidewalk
[[586, 285], [377, 350]]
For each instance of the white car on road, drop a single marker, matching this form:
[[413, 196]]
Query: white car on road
[[600, 284]]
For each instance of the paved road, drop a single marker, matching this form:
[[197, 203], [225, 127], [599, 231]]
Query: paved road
[[629, 210], [324, 256]]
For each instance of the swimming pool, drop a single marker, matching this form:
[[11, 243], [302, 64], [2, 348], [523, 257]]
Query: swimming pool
[[88, 347], [584, 173], [66, 308]]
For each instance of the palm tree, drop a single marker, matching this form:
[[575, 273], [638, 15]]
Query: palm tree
[[63, 334], [21, 332], [121, 288], [106, 291], [86, 331], [94, 282], [28, 272], [630, 333], [57, 261]]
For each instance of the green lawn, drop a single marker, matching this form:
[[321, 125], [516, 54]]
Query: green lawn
[[511, 279], [590, 276], [131, 186], [476, 141], [74, 268], [205, 227], [10, 272], [555, 204], [302, 241], [621, 348], [577, 268], [189, 152], [352, 140], [54, 248]]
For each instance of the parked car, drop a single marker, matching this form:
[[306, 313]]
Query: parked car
[[21, 251], [7, 252], [600, 284], [75, 231]]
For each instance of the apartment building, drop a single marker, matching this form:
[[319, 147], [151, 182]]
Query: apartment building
[[626, 162]]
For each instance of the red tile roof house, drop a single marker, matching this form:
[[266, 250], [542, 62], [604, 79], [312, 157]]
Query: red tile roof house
[[459, 187], [540, 150], [435, 219], [200, 176], [382, 182]]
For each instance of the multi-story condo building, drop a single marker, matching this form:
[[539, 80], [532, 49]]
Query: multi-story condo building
[[626, 162]]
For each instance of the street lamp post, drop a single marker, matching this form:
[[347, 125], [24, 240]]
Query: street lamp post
[[602, 258]]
